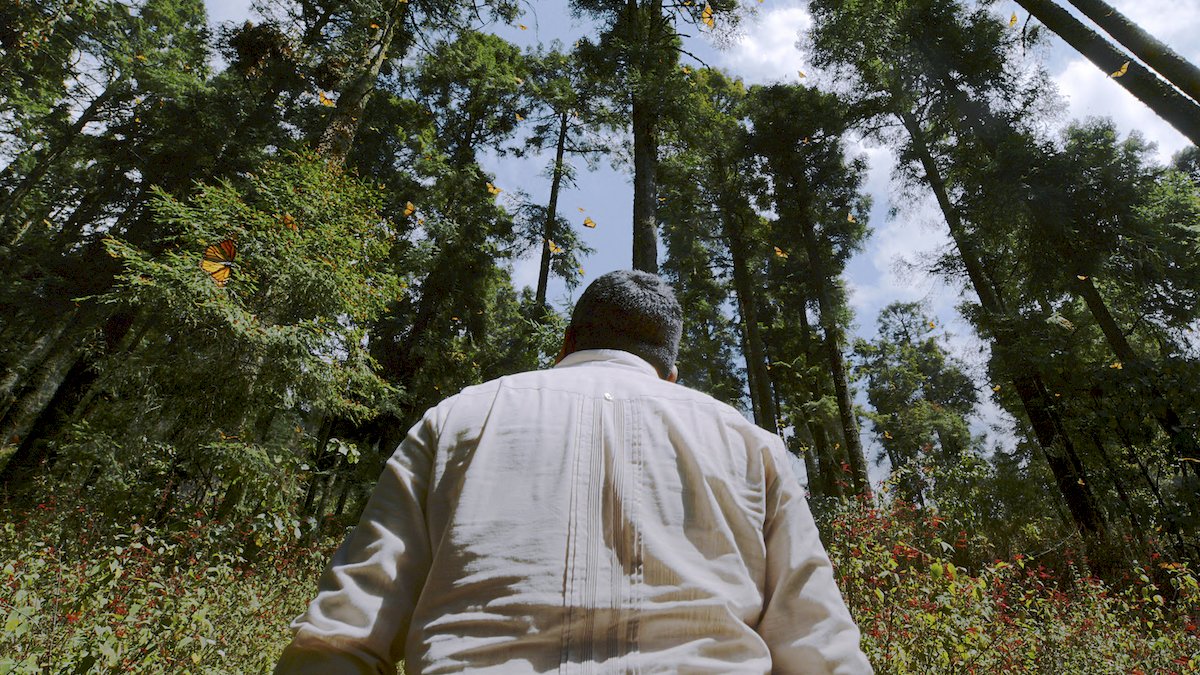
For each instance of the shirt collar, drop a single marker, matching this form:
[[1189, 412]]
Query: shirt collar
[[611, 357]]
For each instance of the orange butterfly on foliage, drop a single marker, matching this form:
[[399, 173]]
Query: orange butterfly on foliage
[[218, 261], [554, 248], [290, 223]]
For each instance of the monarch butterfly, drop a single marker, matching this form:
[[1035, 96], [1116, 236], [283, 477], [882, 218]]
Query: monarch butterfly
[[218, 261]]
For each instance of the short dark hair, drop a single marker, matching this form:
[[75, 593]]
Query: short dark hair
[[632, 311]]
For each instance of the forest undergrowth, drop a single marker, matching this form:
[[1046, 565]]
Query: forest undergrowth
[[243, 257], [81, 592]]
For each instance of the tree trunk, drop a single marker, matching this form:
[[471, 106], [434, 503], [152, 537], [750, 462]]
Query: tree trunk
[[44, 162], [32, 356], [338, 136], [809, 455], [25, 418], [1183, 442], [329, 483], [833, 354], [322, 442], [551, 212], [1178, 110], [1176, 69], [645, 190], [347, 484], [757, 375], [1118, 483], [1047, 425], [829, 466]]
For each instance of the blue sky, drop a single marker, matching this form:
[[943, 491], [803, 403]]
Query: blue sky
[[765, 50]]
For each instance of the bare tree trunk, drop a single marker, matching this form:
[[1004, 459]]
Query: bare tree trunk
[[1183, 441], [552, 211], [1117, 482], [647, 32], [645, 187], [809, 455], [833, 352], [327, 489], [33, 355], [1178, 110], [24, 413], [347, 484], [1048, 428], [1176, 69], [759, 378], [322, 441], [830, 467]]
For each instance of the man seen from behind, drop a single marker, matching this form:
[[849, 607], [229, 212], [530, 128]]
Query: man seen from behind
[[595, 517]]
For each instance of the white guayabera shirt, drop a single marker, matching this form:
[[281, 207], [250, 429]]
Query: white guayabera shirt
[[588, 518]]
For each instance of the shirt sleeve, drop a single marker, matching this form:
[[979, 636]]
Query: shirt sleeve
[[359, 621], [805, 622]]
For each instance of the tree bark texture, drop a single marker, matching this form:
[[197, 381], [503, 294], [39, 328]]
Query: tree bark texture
[[338, 136], [1178, 110], [28, 361], [21, 419], [833, 355], [645, 186], [1166, 61], [829, 464], [756, 366], [552, 210], [1048, 427]]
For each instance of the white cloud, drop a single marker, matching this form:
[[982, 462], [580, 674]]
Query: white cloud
[[1091, 93], [766, 51], [227, 10], [892, 265], [1172, 21]]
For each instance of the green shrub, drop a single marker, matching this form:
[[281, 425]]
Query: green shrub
[[81, 597], [79, 593], [921, 613]]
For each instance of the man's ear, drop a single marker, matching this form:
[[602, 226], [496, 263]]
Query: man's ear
[[568, 345], [673, 376]]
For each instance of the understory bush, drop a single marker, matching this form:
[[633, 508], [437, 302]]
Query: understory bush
[[920, 612], [81, 594]]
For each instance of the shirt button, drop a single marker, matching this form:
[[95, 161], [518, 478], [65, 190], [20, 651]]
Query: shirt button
[[607, 396]]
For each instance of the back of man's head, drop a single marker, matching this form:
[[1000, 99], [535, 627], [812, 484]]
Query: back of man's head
[[632, 311]]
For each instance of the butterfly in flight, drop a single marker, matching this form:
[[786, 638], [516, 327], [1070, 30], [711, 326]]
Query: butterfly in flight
[[218, 261]]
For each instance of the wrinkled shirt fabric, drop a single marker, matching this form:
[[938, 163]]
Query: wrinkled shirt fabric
[[590, 518]]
